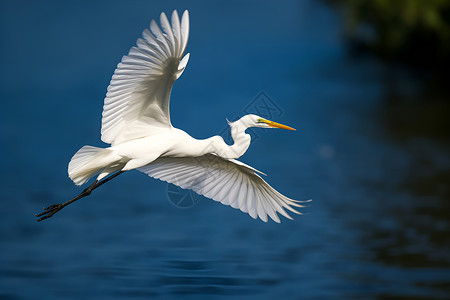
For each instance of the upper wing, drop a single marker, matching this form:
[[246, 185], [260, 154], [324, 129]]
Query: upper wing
[[137, 101], [230, 182]]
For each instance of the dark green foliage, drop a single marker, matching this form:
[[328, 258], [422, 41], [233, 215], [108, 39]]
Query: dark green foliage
[[413, 31]]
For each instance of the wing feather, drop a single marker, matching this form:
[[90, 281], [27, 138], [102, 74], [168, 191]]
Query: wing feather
[[168, 31], [184, 30], [160, 39], [267, 206], [260, 206], [233, 196], [222, 188], [251, 202], [278, 207], [242, 195], [230, 182], [137, 99], [176, 28]]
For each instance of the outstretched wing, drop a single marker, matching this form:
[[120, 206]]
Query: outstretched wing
[[137, 101], [230, 182]]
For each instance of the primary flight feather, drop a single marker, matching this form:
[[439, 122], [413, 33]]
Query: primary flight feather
[[136, 122]]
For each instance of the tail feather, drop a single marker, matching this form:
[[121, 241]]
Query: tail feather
[[88, 162]]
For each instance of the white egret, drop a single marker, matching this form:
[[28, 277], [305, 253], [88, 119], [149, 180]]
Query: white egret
[[136, 122]]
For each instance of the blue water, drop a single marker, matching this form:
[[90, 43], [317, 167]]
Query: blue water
[[369, 151]]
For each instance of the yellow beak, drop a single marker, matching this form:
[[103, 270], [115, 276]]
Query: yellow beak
[[275, 124]]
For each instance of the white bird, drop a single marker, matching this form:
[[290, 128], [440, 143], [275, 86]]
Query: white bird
[[136, 122]]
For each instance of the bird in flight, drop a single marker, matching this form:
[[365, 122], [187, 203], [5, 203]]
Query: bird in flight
[[136, 122]]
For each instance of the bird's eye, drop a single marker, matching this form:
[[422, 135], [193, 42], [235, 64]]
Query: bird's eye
[[259, 120]]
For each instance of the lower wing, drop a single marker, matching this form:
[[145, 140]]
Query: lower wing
[[230, 182]]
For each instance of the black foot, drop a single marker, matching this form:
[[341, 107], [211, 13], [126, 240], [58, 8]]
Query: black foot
[[49, 211], [53, 209]]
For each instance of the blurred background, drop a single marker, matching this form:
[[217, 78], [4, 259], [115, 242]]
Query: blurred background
[[366, 85]]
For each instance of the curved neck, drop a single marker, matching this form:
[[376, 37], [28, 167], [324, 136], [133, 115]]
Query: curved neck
[[240, 138]]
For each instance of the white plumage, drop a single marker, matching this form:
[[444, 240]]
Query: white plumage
[[138, 95], [228, 181], [136, 122]]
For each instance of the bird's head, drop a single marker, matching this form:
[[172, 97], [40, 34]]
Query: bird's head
[[257, 121]]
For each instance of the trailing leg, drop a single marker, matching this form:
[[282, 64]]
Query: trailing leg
[[54, 208]]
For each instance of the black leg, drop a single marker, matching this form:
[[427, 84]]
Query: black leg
[[54, 208]]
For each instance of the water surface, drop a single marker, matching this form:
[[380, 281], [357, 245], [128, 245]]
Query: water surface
[[371, 149]]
